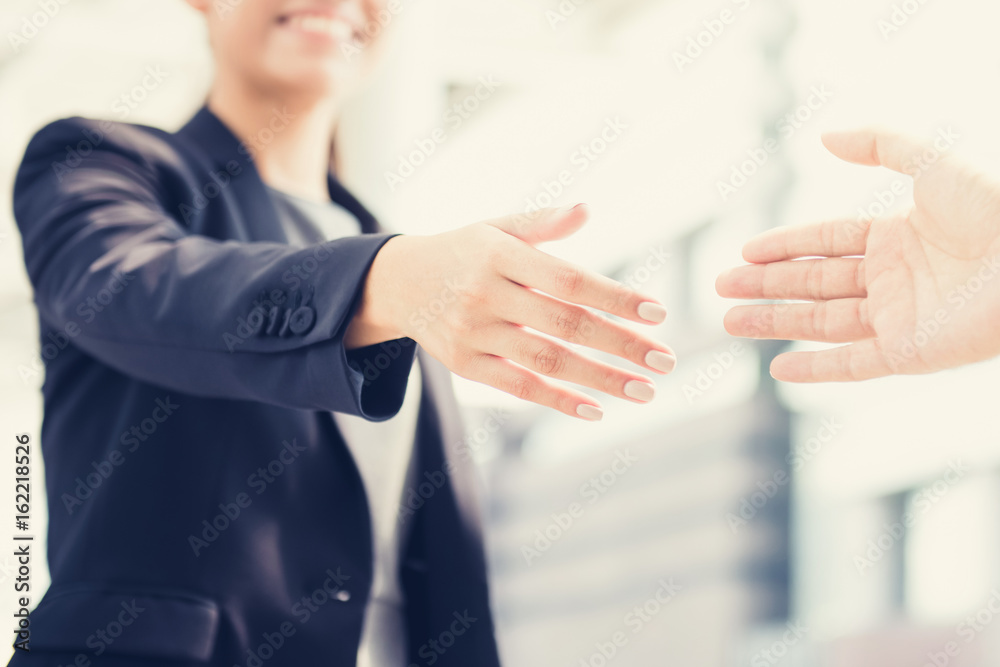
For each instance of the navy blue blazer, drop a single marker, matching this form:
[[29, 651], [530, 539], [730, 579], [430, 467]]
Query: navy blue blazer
[[203, 507]]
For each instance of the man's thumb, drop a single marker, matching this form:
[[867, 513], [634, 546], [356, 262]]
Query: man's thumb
[[874, 147], [547, 224]]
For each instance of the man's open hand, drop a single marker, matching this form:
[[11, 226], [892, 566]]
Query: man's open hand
[[911, 293]]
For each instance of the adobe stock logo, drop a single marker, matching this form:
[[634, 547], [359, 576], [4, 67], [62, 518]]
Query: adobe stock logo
[[780, 648], [705, 39], [132, 439], [434, 648], [922, 503], [785, 128], [453, 119], [592, 490], [708, 376], [585, 155], [637, 619], [914, 166], [750, 506], [260, 480], [968, 630], [900, 16], [30, 25]]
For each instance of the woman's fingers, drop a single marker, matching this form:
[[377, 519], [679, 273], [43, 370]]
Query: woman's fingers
[[521, 383], [838, 321], [488, 338], [859, 361], [580, 326], [806, 279], [563, 280], [568, 282], [548, 357], [836, 238]]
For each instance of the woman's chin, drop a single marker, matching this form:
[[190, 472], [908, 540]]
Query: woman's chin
[[325, 79]]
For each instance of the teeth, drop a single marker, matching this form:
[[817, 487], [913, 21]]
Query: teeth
[[342, 30], [335, 27]]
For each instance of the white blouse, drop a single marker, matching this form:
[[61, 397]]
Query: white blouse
[[383, 452]]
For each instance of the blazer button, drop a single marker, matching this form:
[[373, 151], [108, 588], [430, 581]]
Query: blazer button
[[302, 320], [255, 320], [343, 595]]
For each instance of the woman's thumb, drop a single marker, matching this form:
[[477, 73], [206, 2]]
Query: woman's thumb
[[547, 224]]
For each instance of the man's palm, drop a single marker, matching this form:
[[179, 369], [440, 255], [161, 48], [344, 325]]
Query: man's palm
[[912, 293]]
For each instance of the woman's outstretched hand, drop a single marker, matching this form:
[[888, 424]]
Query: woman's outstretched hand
[[475, 298], [915, 292]]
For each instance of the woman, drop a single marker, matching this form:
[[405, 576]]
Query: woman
[[244, 464]]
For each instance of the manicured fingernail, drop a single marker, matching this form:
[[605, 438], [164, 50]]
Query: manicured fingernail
[[590, 412], [652, 312], [640, 391], [661, 361]]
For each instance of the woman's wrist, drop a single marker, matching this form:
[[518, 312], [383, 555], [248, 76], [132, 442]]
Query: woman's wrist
[[376, 319]]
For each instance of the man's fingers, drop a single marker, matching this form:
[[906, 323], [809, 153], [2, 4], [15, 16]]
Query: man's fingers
[[580, 326], [521, 383], [843, 237], [548, 224], [838, 321], [849, 363], [836, 238], [874, 147], [568, 282], [806, 279]]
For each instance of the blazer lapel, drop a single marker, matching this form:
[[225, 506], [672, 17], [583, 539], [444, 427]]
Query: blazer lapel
[[450, 431], [340, 195], [228, 154]]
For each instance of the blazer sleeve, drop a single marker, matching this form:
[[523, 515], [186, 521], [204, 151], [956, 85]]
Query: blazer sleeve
[[134, 288]]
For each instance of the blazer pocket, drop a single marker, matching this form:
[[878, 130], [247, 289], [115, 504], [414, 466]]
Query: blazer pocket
[[95, 620]]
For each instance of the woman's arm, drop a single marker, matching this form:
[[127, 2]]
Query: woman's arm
[[135, 289]]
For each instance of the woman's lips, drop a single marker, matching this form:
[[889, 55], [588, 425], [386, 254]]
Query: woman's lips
[[319, 25]]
